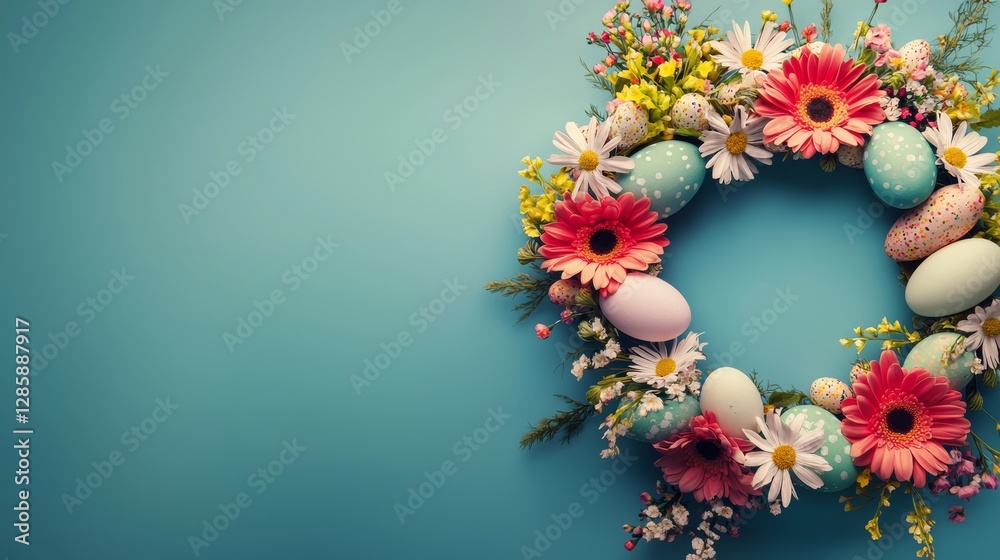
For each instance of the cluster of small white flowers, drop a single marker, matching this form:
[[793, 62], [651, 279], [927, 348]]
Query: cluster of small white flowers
[[722, 510], [600, 359], [658, 530], [652, 512], [649, 403], [890, 105], [688, 383], [614, 429], [917, 88], [610, 393], [978, 367], [679, 514], [580, 365], [598, 327], [776, 508], [705, 547]]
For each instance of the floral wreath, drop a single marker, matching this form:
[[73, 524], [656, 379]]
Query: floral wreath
[[690, 99]]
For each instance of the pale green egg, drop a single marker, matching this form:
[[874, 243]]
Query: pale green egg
[[835, 449], [668, 172], [933, 354], [674, 417], [900, 165]]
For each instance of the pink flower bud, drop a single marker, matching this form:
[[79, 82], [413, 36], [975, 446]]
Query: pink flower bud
[[542, 331]]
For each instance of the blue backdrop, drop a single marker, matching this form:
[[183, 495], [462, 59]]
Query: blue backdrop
[[199, 226]]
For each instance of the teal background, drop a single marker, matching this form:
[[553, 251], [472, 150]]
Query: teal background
[[453, 220]]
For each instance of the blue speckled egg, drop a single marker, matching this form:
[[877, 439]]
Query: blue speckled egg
[[668, 172], [900, 165], [835, 449], [933, 354], [659, 425]]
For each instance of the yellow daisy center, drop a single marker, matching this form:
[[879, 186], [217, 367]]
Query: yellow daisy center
[[991, 327], [665, 367], [589, 160], [737, 143], [784, 457], [752, 59], [956, 157]]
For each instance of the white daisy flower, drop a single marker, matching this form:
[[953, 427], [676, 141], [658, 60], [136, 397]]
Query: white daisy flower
[[767, 54], [590, 154], [983, 329], [658, 368], [784, 448], [958, 150], [732, 143]]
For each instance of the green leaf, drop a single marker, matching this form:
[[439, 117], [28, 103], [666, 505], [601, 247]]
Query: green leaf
[[785, 399], [974, 399], [989, 119], [990, 378]]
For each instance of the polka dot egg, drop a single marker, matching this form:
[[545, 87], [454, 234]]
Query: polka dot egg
[[563, 292], [629, 121], [828, 393], [942, 219], [690, 111], [658, 425], [858, 370], [915, 54], [933, 355], [669, 173], [900, 165], [836, 450]]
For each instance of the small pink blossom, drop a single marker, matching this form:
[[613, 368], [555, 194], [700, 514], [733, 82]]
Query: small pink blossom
[[810, 33], [784, 26], [653, 5], [567, 316], [878, 38], [956, 514], [990, 481], [887, 56], [542, 331], [684, 5], [600, 69]]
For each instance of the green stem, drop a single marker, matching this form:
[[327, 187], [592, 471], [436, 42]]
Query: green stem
[[795, 29]]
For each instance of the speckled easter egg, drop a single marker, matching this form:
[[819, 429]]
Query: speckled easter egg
[[658, 425], [828, 393], [851, 156], [858, 370], [563, 292], [647, 308], [629, 121], [690, 111], [668, 172], [943, 218], [954, 278], [835, 449], [900, 165], [934, 355], [914, 53]]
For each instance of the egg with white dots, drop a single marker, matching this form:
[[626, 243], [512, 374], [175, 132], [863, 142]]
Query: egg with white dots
[[900, 165], [669, 173], [835, 450], [658, 425]]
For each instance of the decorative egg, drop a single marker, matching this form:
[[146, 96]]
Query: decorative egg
[[735, 400], [835, 449], [900, 165], [631, 122], [647, 308], [914, 54], [563, 292], [858, 370], [669, 173], [691, 111], [658, 425], [955, 278], [934, 355], [829, 393], [945, 217], [851, 156]]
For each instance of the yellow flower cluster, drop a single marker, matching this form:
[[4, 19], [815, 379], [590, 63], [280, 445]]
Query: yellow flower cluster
[[539, 209], [655, 81]]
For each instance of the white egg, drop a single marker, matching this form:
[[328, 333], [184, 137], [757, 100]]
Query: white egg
[[647, 308], [734, 399], [955, 278]]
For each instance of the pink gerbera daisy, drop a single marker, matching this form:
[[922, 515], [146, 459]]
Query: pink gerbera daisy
[[820, 101], [901, 420], [601, 240], [707, 463]]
